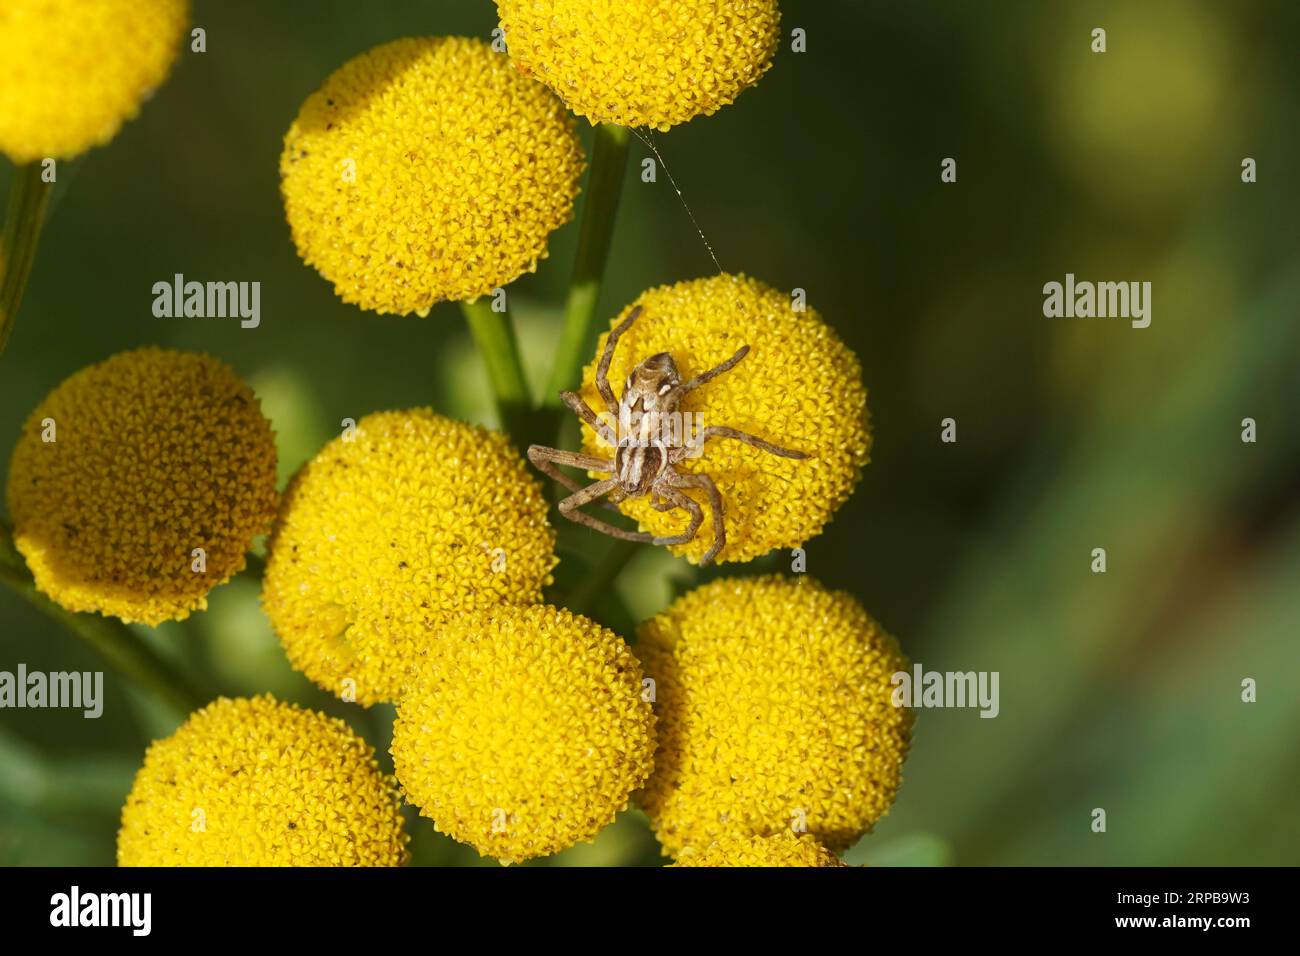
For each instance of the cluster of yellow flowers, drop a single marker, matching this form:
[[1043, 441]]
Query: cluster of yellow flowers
[[360, 577], [407, 559], [435, 168], [526, 729]]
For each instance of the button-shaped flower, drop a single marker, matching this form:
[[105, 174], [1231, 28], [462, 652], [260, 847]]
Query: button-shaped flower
[[427, 170], [798, 387], [525, 732], [780, 849], [775, 713], [139, 483], [72, 72], [650, 63], [257, 782]]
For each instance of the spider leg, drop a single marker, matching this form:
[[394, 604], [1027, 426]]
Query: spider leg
[[714, 372], [680, 500], [602, 370], [721, 431], [583, 411], [548, 459], [570, 505], [715, 506]]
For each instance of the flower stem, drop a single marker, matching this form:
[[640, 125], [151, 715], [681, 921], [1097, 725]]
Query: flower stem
[[23, 217], [494, 334], [109, 637], [599, 210]]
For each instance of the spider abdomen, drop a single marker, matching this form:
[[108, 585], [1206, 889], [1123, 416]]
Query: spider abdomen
[[639, 465]]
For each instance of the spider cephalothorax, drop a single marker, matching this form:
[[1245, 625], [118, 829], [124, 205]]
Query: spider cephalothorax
[[649, 440]]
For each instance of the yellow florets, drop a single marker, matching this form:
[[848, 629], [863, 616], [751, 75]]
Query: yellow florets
[[775, 713], [72, 72], [139, 484], [427, 169], [525, 732], [649, 63], [799, 388], [391, 528], [781, 849], [261, 783]]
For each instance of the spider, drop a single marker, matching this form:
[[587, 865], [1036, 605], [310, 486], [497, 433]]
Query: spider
[[645, 458]]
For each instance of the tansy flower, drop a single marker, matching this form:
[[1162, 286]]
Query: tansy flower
[[650, 63], [72, 72], [427, 169], [390, 529], [780, 849], [261, 783], [774, 705], [139, 484], [525, 731], [799, 388]]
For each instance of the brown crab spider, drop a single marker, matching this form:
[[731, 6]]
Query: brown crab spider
[[644, 463]]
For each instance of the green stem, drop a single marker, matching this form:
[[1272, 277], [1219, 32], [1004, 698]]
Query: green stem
[[109, 637], [599, 210], [603, 575], [23, 217], [494, 334]]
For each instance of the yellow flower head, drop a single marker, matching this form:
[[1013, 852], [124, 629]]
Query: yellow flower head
[[780, 849], [72, 72], [261, 783], [389, 530], [649, 63], [526, 731], [139, 484], [775, 713], [427, 169], [799, 387]]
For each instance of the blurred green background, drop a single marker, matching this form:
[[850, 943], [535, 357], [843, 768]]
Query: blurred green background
[[1119, 691]]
